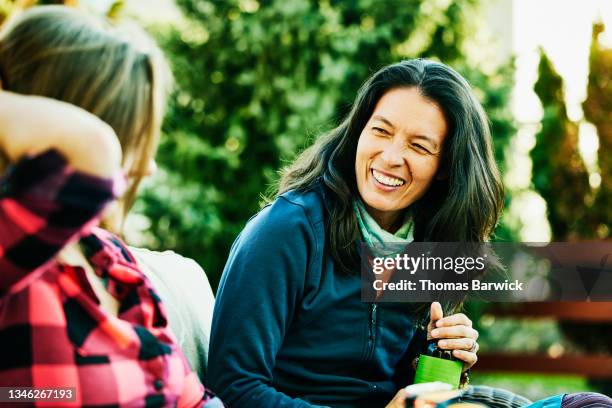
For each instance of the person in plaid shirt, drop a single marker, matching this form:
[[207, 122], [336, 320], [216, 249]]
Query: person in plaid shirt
[[75, 308]]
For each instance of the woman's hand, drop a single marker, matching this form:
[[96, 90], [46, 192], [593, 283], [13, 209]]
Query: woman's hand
[[399, 401], [455, 333]]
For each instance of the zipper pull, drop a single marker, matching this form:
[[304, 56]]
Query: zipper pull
[[373, 317]]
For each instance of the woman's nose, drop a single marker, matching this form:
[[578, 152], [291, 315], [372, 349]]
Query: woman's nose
[[392, 155]]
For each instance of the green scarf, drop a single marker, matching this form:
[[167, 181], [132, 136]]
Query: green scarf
[[373, 234]]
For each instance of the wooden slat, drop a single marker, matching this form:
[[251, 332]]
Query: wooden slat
[[589, 366], [564, 311]]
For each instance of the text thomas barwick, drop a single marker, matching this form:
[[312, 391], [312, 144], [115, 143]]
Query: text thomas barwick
[[426, 284]]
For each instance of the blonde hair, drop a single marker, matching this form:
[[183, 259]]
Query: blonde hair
[[116, 73]]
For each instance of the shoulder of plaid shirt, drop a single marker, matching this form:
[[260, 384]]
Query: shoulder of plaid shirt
[[53, 332]]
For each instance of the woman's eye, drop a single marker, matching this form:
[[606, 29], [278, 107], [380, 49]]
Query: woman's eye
[[380, 131], [421, 148]]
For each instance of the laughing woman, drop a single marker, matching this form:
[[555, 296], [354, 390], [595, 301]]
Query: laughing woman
[[412, 161]]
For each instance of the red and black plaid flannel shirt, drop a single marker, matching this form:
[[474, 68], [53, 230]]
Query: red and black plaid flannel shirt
[[53, 332]]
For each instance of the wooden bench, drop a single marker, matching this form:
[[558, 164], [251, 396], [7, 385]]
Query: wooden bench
[[590, 366]]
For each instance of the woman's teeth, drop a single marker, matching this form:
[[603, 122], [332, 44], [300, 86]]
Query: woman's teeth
[[386, 180]]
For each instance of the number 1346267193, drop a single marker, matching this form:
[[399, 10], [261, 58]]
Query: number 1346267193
[[33, 394]]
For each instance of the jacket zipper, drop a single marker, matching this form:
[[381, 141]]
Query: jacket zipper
[[372, 331]]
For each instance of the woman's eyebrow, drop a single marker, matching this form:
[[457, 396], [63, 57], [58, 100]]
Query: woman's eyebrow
[[384, 120]]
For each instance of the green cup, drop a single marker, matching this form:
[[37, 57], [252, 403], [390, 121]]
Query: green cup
[[432, 369]]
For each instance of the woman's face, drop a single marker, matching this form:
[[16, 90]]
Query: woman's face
[[398, 154]]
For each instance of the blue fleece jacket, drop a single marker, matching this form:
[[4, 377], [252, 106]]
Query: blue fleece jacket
[[290, 331]]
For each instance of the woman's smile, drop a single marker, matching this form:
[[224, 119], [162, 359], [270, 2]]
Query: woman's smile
[[386, 181]]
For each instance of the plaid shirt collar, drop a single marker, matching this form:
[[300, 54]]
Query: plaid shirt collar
[[110, 259], [122, 277]]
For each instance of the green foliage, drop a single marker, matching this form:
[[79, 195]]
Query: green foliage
[[257, 81], [6, 8], [597, 108], [559, 174], [575, 210]]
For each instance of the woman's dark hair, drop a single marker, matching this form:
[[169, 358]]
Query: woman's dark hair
[[462, 207]]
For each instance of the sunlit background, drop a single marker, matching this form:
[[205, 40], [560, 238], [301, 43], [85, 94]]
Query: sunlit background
[[563, 29]]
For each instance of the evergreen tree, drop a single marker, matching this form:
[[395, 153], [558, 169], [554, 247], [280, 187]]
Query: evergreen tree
[[559, 174], [598, 110]]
